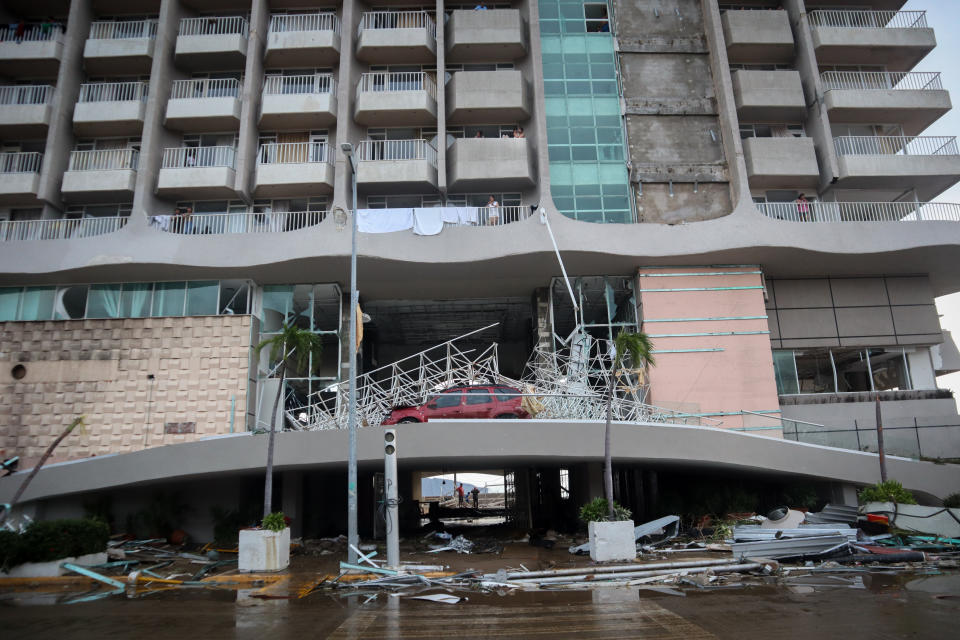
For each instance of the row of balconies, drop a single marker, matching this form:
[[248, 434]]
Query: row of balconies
[[894, 39]]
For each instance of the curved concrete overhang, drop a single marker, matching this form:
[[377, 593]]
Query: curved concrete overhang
[[492, 444], [497, 261]]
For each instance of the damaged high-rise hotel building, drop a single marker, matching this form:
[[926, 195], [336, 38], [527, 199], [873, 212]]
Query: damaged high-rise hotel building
[[174, 188]]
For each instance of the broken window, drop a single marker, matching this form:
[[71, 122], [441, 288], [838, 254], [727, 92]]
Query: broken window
[[596, 18], [841, 370]]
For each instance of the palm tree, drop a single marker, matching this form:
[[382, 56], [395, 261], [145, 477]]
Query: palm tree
[[296, 347], [638, 349]]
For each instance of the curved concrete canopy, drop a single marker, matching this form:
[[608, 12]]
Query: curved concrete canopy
[[492, 444]]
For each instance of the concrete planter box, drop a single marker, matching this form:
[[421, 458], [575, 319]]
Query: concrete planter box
[[264, 550], [612, 541], [52, 568]]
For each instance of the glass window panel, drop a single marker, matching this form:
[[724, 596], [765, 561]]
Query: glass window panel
[[889, 370], [583, 136], [560, 154], [202, 298], [571, 11], [610, 153], [785, 372], [588, 189], [553, 87], [71, 302], [620, 217], [588, 202], [852, 371], [135, 300], [168, 299], [609, 135], [37, 303], [563, 203], [577, 71], [277, 302], [549, 26], [558, 136], [103, 301], [574, 26], [605, 87], [583, 154], [9, 301], [616, 202], [814, 371], [579, 87]]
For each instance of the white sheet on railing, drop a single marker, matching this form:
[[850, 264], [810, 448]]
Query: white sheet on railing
[[464, 215], [384, 220], [428, 221], [161, 222]]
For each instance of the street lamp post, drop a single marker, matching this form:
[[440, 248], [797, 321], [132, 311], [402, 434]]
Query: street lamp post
[[353, 538]]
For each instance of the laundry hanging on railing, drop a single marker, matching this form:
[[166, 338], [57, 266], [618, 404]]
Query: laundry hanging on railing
[[428, 221], [384, 220]]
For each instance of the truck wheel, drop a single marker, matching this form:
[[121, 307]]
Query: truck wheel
[[507, 416], [407, 420]]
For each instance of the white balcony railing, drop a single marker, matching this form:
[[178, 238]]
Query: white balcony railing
[[244, 222], [190, 157], [861, 211], [397, 20], [34, 32], [59, 229], [292, 85], [123, 29], [214, 26], [282, 23], [26, 94], [294, 153], [896, 146], [499, 216], [113, 92], [381, 150], [28, 162], [882, 80], [103, 160], [868, 19], [405, 81], [205, 88]]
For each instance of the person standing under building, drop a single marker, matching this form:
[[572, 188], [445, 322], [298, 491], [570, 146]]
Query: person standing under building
[[460, 495], [475, 494]]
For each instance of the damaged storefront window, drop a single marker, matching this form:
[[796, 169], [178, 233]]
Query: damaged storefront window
[[841, 370]]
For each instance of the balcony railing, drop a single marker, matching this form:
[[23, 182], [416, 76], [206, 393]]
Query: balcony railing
[[205, 88], [495, 216], [113, 92], [244, 222], [380, 150], [896, 145], [103, 160], [26, 94], [28, 162], [34, 32], [292, 85], [123, 29], [190, 157], [861, 211], [214, 26], [305, 22], [868, 19], [405, 81], [397, 20], [18, 230], [881, 80], [294, 153]]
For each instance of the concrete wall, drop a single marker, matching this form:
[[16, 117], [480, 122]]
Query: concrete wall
[[781, 163], [99, 368]]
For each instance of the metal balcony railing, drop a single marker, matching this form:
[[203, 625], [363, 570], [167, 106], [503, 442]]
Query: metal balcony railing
[[123, 29], [881, 80], [34, 32], [243, 222], [294, 153], [113, 92], [28, 162], [282, 23], [499, 216], [18, 230], [397, 20], [380, 150], [896, 146], [103, 160], [26, 94], [405, 81], [868, 19], [190, 157], [861, 211], [291, 85], [214, 26], [205, 88]]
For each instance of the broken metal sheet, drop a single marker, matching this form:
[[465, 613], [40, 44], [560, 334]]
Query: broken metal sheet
[[789, 547], [444, 598], [834, 513], [753, 533]]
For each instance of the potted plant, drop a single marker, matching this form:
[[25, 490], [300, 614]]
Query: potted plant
[[266, 548], [609, 539]]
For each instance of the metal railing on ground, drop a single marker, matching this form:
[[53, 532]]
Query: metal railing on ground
[[281, 23], [856, 19], [123, 29], [103, 160], [398, 81], [882, 80], [191, 157], [380, 150], [59, 229], [113, 91], [214, 26], [397, 20], [26, 94], [292, 85], [861, 211], [22, 162], [896, 145], [294, 153], [241, 222], [205, 88]]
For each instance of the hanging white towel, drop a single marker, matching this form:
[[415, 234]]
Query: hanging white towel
[[162, 222], [450, 214], [384, 220], [427, 221], [467, 215]]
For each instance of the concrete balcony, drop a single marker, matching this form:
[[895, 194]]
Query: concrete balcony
[[60, 228], [110, 109], [197, 172], [397, 37], [758, 36], [863, 211], [123, 47], [496, 35], [25, 111], [299, 102], [294, 169], [476, 97], [19, 178], [212, 43], [396, 99], [912, 100], [897, 40], [883, 163], [396, 166], [104, 175], [238, 222], [781, 163], [768, 96], [303, 40], [34, 54], [490, 164], [204, 105]]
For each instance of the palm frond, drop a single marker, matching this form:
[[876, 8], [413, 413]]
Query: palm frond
[[297, 344], [636, 345]]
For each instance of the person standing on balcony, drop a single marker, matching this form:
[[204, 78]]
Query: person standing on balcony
[[518, 132], [493, 211], [188, 220], [20, 31], [481, 6], [803, 208]]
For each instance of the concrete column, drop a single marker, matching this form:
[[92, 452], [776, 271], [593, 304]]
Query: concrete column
[[441, 100], [536, 129], [60, 138], [347, 130], [843, 493], [292, 501], [252, 91]]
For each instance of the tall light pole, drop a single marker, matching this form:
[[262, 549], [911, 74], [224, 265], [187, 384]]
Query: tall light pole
[[353, 538]]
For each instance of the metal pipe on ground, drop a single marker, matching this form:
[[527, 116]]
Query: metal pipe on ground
[[593, 577], [684, 564]]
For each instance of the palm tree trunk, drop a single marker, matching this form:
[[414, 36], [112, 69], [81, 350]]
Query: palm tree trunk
[[268, 482], [607, 458]]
